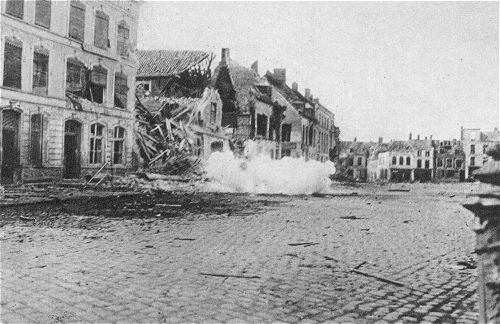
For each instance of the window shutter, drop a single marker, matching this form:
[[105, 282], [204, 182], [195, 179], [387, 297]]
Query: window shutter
[[12, 64], [101, 30], [77, 21], [121, 90], [98, 76], [122, 40], [15, 8], [42, 13], [45, 136]]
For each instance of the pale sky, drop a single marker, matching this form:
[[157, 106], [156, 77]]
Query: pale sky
[[384, 68]]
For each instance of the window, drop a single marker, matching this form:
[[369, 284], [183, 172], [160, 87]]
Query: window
[[76, 77], [12, 64], [121, 90], [393, 160], [427, 164], [122, 40], [15, 8], [485, 149], [40, 71], [95, 151], [118, 139], [458, 164], [286, 132], [310, 135], [472, 161], [213, 112], [351, 161], [42, 13], [439, 162], [261, 125], [401, 160], [77, 20], [419, 153], [408, 160], [360, 161], [427, 153], [101, 30], [473, 149], [314, 138], [98, 81], [449, 163], [419, 163], [36, 139]]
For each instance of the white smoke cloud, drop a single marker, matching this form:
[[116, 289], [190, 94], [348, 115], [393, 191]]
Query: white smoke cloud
[[258, 173]]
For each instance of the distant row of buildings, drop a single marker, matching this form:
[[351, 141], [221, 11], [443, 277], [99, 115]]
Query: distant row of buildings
[[417, 159], [69, 80]]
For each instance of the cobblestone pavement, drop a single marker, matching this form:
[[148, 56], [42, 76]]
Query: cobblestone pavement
[[156, 260]]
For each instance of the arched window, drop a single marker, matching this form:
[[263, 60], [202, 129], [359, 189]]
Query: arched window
[[393, 160], [96, 143], [118, 139], [101, 30], [401, 160], [408, 160]]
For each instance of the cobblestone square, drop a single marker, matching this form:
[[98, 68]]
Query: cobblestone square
[[361, 255]]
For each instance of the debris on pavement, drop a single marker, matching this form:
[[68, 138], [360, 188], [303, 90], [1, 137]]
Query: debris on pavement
[[228, 275]]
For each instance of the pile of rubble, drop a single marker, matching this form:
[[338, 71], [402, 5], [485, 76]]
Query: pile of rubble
[[169, 130]]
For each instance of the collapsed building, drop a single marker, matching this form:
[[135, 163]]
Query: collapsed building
[[281, 120], [179, 115]]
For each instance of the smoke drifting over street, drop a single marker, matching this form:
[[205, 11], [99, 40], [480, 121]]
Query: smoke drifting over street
[[256, 172]]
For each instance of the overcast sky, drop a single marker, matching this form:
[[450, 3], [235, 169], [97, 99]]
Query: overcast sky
[[385, 69]]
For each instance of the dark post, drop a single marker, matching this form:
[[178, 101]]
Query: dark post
[[487, 212]]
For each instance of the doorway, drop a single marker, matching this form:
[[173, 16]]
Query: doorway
[[10, 146], [72, 142]]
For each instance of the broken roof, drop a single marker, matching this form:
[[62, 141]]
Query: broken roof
[[158, 63], [244, 81]]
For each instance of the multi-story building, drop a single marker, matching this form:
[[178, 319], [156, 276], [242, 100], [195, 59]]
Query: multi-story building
[[248, 111], [298, 116], [67, 95], [404, 161], [449, 161], [353, 159], [475, 145]]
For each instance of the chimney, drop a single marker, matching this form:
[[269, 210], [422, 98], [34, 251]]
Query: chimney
[[409, 137], [224, 57], [418, 136], [280, 75], [430, 138], [355, 140], [295, 86], [496, 130], [307, 93], [426, 138], [454, 141], [380, 140], [316, 100], [255, 67]]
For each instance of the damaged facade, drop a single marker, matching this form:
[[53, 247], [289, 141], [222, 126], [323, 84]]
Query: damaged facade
[[353, 159], [183, 114], [264, 109], [450, 161], [67, 102]]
